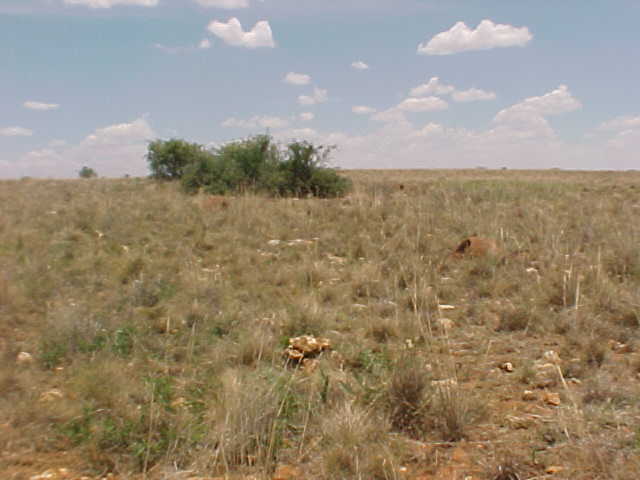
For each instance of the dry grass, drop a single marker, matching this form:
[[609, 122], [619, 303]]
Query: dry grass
[[160, 320]]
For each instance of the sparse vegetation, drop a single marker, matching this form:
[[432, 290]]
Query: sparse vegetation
[[156, 321]]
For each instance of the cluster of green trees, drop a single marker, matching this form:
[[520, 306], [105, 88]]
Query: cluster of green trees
[[254, 164]]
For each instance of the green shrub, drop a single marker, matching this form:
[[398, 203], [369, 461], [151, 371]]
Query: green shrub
[[254, 164], [87, 172], [214, 175], [168, 159], [253, 158]]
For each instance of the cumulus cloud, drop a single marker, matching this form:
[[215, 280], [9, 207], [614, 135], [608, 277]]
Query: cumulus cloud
[[527, 118], [427, 104], [307, 116], [257, 121], [232, 34], [363, 110], [319, 96], [432, 87], [400, 143], [391, 116], [435, 87], [293, 78], [625, 122], [120, 134], [360, 65], [112, 3], [625, 132], [114, 150], [226, 4], [204, 44], [472, 95], [487, 35], [15, 132], [31, 105], [556, 102]]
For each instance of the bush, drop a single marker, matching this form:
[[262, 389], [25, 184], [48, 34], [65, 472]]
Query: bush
[[87, 172], [169, 159], [305, 172], [253, 164]]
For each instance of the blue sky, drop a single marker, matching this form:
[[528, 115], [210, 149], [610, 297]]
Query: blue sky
[[393, 84]]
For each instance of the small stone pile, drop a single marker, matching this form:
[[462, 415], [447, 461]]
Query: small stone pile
[[305, 347]]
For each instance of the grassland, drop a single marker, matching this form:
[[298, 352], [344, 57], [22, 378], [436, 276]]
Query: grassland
[[155, 324]]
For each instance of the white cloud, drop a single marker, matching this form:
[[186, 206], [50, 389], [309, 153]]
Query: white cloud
[[555, 102], [430, 129], [293, 78], [15, 132], [520, 139], [432, 87], [40, 105], [626, 134], [363, 110], [391, 116], [298, 134], [427, 104], [112, 3], [114, 150], [527, 118], [487, 35], [257, 121], [120, 134], [360, 65], [472, 95], [626, 122], [232, 34], [319, 96], [204, 44], [307, 116], [227, 4]]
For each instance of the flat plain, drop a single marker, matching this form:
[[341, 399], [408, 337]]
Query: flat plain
[[143, 331]]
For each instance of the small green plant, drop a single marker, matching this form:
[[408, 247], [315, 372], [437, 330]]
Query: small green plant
[[52, 352]]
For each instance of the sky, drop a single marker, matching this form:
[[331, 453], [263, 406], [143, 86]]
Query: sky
[[391, 83]]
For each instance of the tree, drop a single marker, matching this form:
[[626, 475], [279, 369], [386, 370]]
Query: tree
[[87, 172], [168, 159]]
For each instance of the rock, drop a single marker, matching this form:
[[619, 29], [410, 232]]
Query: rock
[[620, 347], [305, 346], [179, 402], [546, 375], [529, 395], [476, 247], [551, 356], [551, 398], [51, 395], [507, 367], [24, 358], [446, 307], [273, 243], [287, 472], [554, 469], [52, 474]]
